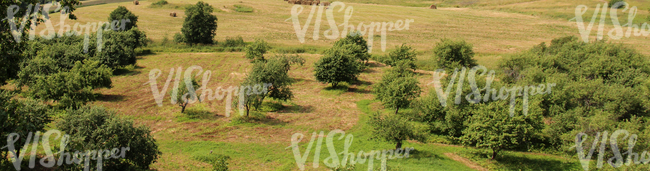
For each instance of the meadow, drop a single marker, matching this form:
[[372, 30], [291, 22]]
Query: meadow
[[496, 28]]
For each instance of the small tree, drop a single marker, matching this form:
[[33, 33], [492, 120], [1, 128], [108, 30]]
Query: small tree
[[451, 54], [337, 65], [257, 50], [22, 118], [121, 13], [187, 94], [492, 127], [356, 44], [93, 128], [268, 79], [394, 129], [398, 93], [402, 55], [200, 25]]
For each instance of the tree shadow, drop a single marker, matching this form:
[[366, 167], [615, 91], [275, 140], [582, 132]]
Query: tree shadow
[[125, 71], [297, 109], [508, 161], [417, 154], [110, 97]]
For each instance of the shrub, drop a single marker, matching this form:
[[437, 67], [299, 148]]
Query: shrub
[[337, 65], [160, 3], [257, 50], [452, 54], [179, 38], [355, 43], [234, 42], [95, 128], [613, 4], [394, 129], [121, 13], [243, 8], [200, 25], [403, 55]]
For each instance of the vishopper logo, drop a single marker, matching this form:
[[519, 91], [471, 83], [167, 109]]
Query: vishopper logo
[[64, 30], [333, 161], [617, 160], [616, 33], [333, 33], [476, 97], [206, 93], [49, 161]]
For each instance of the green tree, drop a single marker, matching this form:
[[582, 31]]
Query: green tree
[[402, 55], [200, 25], [72, 88], [92, 128], [491, 127], [356, 44], [268, 79], [257, 50], [187, 94], [454, 54], [394, 129], [397, 89], [337, 65], [122, 14], [22, 117]]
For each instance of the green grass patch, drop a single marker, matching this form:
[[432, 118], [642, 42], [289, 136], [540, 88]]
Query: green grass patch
[[243, 8]]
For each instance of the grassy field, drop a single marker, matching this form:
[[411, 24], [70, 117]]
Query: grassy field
[[496, 28]]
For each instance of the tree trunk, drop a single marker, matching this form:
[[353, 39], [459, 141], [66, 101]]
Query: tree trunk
[[396, 110], [335, 84], [399, 145], [183, 108], [494, 154], [248, 109]]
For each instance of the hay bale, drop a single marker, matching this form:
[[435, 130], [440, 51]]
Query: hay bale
[[433, 7], [136, 2], [172, 14], [297, 2], [325, 3], [316, 2]]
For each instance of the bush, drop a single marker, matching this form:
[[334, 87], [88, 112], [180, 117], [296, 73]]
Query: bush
[[613, 4], [179, 38], [218, 162], [355, 43], [200, 25], [257, 50], [94, 128], [337, 65], [234, 42], [394, 129], [160, 3], [452, 54], [403, 55], [243, 8], [121, 13]]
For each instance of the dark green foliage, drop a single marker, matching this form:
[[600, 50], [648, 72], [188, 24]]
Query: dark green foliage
[[93, 128], [270, 79], [179, 38], [402, 55], [160, 3], [394, 129], [337, 65], [397, 88], [257, 50], [234, 42], [200, 25], [72, 88], [356, 44], [491, 127], [600, 86], [21, 117], [612, 4], [454, 54], [119, 48], [122, 14]]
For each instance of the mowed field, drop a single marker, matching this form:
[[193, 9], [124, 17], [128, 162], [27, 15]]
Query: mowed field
[[495, 28]]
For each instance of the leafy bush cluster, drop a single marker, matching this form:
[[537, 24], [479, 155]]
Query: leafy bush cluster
[[256, 50], [454, 54], [234, 42], [344, 61]]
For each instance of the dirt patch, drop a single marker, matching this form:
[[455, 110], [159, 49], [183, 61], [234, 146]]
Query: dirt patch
[[465, 161]]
